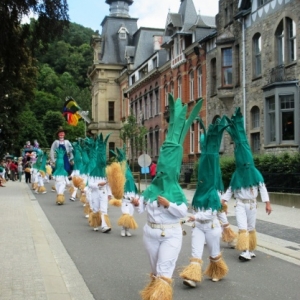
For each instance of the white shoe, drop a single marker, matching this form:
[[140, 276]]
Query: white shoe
[[245, 256], [252, 254], [105, 229], [87, 216], [72, 199], [127, 233], [215, 279], [123, 233], [96, 229], [44, 192], [189, 283]]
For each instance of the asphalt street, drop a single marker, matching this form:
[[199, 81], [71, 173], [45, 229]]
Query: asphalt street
[[116, 268]]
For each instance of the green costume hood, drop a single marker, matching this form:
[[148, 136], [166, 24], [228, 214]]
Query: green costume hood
[[59, 164], [130, 186], [42, 167], [77, 156], [209, 171], [245, 174], [165, 183], [39, 160], [100, 153]]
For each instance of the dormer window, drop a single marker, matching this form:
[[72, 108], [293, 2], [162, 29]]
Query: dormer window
[[123, 33]]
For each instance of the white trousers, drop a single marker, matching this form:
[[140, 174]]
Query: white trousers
[[245, 215], [127, 208], [60, 186], [205, 232], [163, 251]]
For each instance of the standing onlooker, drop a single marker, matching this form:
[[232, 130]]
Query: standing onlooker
[[20, 170], [13, 170], [153, 169], [27, 171]]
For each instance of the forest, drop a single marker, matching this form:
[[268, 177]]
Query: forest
[[33, 92]]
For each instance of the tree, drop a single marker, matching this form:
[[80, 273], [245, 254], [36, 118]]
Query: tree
[[133, 134], [51, 122], [17, 64]]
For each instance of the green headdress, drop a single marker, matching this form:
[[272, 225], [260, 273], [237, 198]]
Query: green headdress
[[86, 145], [99, 169], [59, 164], [130, 186], [39, 159], [42, 167], [77, 156], [209, 171], [245, 174], [170, 157]]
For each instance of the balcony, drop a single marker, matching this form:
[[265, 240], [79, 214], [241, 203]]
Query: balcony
[[178, 60], [277, 74]]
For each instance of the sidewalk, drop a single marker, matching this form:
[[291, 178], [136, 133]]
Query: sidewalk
[[35, 264]]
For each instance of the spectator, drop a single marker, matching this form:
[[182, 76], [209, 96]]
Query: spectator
[[20, 170], [27, 170], [153, 169]]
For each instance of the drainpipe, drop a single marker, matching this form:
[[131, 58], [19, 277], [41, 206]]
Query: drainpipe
[[244, 73]]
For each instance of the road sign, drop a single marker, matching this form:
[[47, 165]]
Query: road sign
[[144, 160]]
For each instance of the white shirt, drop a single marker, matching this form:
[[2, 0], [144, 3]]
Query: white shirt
[[250, 193]]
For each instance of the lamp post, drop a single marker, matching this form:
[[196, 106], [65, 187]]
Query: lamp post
[[84, 115]]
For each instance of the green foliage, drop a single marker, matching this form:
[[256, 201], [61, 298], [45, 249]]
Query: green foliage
[[281, 172], [133, 133], [52, 120]]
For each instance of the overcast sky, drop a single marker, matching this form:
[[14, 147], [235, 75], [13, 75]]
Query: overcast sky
[[150, 13]]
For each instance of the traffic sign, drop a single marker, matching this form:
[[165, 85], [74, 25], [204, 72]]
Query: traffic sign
[[144, 160]]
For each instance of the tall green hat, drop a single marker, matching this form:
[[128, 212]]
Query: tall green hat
[[42, 167], [245, 174], [77, 156], [86, 145], [209, 172], [100, 155], [165, 183], [39, 160], [130, 186], [59, 164]]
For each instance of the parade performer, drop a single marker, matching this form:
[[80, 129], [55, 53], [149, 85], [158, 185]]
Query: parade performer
[[60, 175], [245, 184], [206, 204], [75, 175], [65, 145], [165, 204], [41, 174], [123, 187], [100, 192], [37, 158], [2, 176]]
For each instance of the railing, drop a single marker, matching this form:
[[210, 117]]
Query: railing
[[179, 59], [277, 74], [282, 182]]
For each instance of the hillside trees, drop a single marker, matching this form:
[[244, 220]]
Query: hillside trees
[[17, 63]]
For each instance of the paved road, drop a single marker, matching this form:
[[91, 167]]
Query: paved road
[[116, 268]]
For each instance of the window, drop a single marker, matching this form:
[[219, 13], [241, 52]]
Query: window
[[172, 87], [271, 118], [132, 79], [227, 67], [213, 68], [281, 122], [111, 147], [257, 55], [255, 117], [151, 105], [237, 65], [255, 142], [262, 2], [199, 81], [285, 37], [166, 96], [191, 85], [287, 107], [146, 115], [192, 139], [179, 87], [111, 111], [156, 141], [122, 33], [156, 102]]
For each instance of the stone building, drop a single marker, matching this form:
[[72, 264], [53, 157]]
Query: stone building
[[252, 62]]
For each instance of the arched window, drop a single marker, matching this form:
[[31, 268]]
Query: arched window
[[199, 81], [256, 55], [179, 87], [255, 117]]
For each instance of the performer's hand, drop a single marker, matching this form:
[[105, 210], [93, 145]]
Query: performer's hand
[[192, 218], [268, 207], [163, 201], [135, 201], [109, 197]]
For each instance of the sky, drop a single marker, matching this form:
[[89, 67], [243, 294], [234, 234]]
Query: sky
[[150, 13]]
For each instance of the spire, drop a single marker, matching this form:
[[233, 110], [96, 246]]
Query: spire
[[119, 8]]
